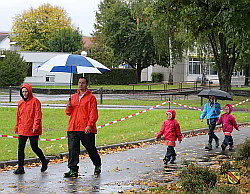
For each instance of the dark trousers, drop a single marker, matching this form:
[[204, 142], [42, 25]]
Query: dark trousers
[[228, 140], [170, 154], [88, 141], [211, 127], [34, 146]]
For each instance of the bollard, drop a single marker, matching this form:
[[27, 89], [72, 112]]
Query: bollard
[[201, 101], [10, 94], [101, 91], [169, 103]]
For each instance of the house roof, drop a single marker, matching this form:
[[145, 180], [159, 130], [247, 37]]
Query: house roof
[[3, 35]]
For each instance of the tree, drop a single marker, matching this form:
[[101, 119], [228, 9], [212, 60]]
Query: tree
[[65, 40], [217, 21], [126, 31], [13, 69], [33, 28]]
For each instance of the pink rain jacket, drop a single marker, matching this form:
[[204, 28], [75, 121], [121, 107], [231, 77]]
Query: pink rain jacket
[[228, 121], [171, 130], [28, 115]]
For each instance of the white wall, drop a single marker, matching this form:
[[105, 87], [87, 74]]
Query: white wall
[[38, 76]]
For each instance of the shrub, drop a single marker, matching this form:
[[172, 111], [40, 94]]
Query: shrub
[[13, 69], [243, 152], [195, 178], [157, 77]]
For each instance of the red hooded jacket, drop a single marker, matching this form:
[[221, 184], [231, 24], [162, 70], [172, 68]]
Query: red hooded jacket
[[83, 112], [28, 114], [171, 130], [228, 121]]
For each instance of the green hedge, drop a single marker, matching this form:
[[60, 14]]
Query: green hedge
[[112, 77], [157, 77]]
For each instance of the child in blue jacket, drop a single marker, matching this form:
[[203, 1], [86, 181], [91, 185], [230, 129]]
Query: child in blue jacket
[[212, 113]]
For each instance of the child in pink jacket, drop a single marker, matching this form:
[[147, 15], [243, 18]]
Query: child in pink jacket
[[228, 122], [171, 131]]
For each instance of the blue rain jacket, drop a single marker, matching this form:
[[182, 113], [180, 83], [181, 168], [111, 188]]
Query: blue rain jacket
[[211, 111]]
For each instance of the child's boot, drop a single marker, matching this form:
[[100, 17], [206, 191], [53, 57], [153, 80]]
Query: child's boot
[[217, 143], [165, 160], [231, 147], [208, 146], [173, 159], [223, 147]]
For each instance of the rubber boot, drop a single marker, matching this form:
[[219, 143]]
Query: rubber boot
[[217, 143], [173, 159], [165, 160], [223, 147]]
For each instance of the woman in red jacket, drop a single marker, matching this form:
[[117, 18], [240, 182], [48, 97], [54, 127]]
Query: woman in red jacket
[[171, 131], [28, 126], [228, 122]]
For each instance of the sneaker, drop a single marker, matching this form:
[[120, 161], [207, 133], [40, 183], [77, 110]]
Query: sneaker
[[97, 170], [19, 170], [45, 165], [217, 143], [223, 147], [208, 147], [231, 147], [72, 173], [173, 160]]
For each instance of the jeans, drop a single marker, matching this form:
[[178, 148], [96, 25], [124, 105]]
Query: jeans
[[211, 127], [88, 141], [170, 153], [34, 146], [228, 140]]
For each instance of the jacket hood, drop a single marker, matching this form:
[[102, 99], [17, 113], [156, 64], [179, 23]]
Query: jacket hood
[[230, 108], [29, 88], [173, 114]]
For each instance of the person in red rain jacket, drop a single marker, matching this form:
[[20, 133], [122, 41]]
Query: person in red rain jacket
[[82, 112], [228, 122], [28, 126], [171, 132]]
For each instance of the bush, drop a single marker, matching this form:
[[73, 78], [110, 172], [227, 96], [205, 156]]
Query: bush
[[196, 179], [112, 77], [13, 69], [243, 152], [157, 77]]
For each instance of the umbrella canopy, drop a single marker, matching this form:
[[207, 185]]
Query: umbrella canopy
[[71, 63], [219, 94]]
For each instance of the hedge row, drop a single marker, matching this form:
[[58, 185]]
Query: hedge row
[[112, 77]]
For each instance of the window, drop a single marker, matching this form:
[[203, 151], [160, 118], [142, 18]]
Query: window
[[194, 66], [50, 78]]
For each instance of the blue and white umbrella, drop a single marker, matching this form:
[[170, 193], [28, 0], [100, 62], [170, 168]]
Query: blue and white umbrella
[[71, 63]]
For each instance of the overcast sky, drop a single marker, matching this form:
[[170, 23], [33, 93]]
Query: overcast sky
[[82, 12]]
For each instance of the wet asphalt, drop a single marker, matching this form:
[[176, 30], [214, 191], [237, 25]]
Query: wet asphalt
[[123, 170]]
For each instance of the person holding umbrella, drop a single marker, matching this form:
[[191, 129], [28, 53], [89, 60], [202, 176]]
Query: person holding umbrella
[[28, 126], [212, 113], [82, 112]]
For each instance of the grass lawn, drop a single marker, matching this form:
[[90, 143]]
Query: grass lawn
[[139, 127]]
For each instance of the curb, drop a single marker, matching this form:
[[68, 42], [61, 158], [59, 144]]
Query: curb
[[113, 146]]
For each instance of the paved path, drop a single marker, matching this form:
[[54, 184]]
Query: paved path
[[120, 170]]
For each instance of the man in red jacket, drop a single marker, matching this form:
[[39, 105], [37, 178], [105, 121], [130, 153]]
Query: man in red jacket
[[28, 126], [228, 122], [82, 112]]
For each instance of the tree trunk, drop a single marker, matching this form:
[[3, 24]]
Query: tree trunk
[[138, 74], [247, 75]]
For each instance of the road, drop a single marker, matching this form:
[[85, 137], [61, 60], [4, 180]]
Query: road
[[120, 170]]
